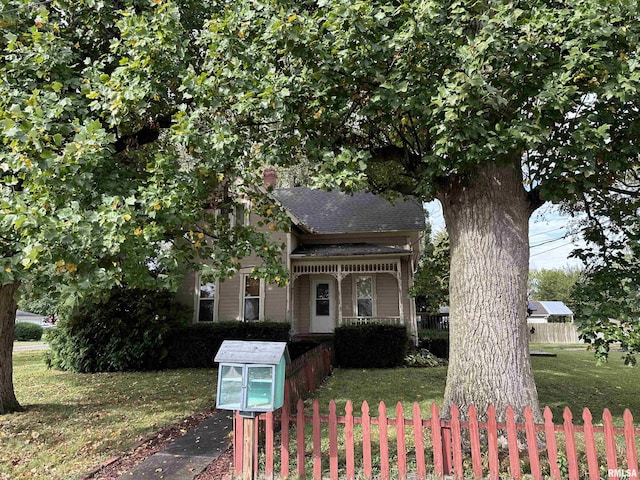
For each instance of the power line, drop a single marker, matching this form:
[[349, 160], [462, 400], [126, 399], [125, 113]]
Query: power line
[[548, 231], [549, 241], [551, 249]]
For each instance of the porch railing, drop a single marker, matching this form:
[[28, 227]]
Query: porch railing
[[368, 320]]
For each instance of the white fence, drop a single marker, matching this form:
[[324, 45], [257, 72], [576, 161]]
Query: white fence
[[553, 333]]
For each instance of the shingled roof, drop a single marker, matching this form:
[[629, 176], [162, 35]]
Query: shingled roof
[[337, 212], [347, 249]]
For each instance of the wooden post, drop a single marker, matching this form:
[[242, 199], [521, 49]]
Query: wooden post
[[247, 450]]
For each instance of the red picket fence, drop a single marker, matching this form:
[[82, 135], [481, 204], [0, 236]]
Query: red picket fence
[[307, 372], [301, 444]]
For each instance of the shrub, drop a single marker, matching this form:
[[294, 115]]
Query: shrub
[[195, 346], [436, 341], [26, 332], [423, 358], [127, 332], [371, 346]]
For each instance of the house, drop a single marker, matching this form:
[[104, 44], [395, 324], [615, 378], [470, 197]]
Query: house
[[351, 260], [549, 312]]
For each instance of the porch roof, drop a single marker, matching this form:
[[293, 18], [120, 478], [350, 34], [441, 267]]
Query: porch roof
[[347, 249]]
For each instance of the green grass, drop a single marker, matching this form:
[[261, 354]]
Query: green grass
[[73, 422], [26, 344], [571, 379]]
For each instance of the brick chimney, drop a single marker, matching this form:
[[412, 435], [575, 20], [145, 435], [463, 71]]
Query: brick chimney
[[270, 177]]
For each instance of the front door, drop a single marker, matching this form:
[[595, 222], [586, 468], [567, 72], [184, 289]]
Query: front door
[[322, 306]]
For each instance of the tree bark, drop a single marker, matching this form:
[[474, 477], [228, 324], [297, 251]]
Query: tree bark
[[487, 218], [8, 307]]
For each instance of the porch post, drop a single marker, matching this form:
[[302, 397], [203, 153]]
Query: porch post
[[339, 277], [400, 296], [291, 296]]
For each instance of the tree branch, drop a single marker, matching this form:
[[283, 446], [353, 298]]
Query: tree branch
[[535, 200]]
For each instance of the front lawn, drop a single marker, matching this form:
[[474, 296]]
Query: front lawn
[[73, 422], [571, 379]]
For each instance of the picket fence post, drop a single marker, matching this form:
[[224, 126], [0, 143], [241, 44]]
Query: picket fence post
[[400, 442], [474, 438], [492, 440], [419, 442], [238, 439], [436, 440], [384, 441], [350, 448], [284, 435], [590, 445], [532, 444], [268, 440], [333, 441], [456, 439], [512, 441], [366, 440], [552, 446], [300, 446], [317, 452], [630, 444]]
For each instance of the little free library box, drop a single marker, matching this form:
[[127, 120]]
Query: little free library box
[[251, 376]]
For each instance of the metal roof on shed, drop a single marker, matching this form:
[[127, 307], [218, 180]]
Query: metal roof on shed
[[238, 351], [556, 308]]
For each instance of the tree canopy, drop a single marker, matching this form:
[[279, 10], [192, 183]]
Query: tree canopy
[[95, 189], [120, 119]]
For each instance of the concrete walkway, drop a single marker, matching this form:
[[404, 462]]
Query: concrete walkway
[[190, 454]]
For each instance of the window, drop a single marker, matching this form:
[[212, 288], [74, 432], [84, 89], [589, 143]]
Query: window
[[252, 304], [364, 296], [241, 215], [207, 302], [323, 301]]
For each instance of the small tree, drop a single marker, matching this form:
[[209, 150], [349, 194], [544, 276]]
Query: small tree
[[554, 285], [431, 285]]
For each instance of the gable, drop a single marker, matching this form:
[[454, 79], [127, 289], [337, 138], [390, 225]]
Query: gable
[[337, 212]]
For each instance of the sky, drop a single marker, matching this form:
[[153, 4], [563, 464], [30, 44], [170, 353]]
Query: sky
[[549, 236]]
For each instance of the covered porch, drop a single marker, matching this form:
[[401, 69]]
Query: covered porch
[[325, 293]]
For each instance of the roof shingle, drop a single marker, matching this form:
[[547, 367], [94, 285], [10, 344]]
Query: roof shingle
[[337, 212]]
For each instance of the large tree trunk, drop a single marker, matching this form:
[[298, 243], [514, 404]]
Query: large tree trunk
[[487, 217], [8, 307]]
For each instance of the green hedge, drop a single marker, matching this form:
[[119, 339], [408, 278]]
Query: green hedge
[[436, 341], [196, 346], [127, 332], [28, 332], [371, 346]]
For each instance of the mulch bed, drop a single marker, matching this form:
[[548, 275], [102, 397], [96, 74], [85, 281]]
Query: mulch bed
[[219, 469]]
